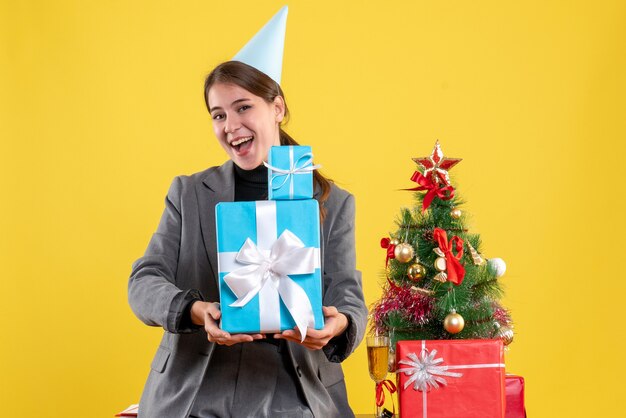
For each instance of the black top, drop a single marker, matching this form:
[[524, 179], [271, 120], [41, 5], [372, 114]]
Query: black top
[[250, 184]]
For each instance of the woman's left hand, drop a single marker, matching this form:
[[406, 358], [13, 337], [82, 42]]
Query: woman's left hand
[[335, 323]]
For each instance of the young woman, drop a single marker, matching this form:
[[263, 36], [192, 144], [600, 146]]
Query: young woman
[[200, 370]]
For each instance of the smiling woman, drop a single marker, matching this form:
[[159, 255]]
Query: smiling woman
[[201, 370], [245, 124]]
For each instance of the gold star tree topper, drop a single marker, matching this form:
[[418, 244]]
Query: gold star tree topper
[[436, 166]]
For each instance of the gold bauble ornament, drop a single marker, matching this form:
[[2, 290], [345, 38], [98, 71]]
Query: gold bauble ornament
[[454, 323], [391, 362], [456, 213], [394, 241], [404, 252], [505, 334], [416, 272]]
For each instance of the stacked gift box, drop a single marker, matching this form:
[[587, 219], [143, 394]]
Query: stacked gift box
[[269, 251]]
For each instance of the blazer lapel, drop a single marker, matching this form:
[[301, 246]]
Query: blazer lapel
[[217, 186]]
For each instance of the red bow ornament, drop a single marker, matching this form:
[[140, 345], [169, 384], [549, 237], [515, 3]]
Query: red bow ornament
[[386, 243], [455, 270], [443, 191], [380, 393]]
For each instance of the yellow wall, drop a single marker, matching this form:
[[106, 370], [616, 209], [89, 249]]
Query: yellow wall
[[101, 106]]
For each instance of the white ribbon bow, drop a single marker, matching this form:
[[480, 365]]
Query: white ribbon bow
[[294, 168], [425, 372], [288, 255]]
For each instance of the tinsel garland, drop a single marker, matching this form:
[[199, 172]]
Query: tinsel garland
[[501, 315], [401, 300]]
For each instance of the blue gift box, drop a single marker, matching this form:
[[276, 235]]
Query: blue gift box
[[290, 172], [259, 244]]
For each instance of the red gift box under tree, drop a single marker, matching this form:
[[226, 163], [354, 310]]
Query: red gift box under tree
[[451, 378]]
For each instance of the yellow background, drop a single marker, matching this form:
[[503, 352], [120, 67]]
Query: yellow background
[[101, 106]]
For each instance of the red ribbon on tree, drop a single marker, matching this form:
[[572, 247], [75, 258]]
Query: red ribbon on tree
[[386, 243], [380, 392], [445, 192], [454, 269]]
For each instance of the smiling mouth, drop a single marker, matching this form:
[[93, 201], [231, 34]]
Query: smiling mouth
[[241, 143]]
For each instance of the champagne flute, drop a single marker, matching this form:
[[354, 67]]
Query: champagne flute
[[378, 360]]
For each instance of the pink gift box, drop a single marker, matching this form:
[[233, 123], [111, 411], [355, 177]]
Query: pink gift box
[[515, 397]]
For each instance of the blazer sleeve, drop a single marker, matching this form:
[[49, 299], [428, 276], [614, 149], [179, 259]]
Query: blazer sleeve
[[342, 282], [152, 292]]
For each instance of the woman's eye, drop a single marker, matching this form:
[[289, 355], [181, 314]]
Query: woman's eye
[[218, 116], [244, 107]]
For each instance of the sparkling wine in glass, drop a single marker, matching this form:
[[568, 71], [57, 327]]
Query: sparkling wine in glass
[[378, 360]]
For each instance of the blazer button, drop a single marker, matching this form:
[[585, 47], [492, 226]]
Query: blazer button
[[298, 371]]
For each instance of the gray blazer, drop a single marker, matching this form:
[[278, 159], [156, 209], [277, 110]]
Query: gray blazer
[[182, 255]]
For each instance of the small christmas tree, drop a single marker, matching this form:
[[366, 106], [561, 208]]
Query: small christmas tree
[[438, 284]]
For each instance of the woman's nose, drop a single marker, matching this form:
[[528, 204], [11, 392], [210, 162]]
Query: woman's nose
[[231, 125]]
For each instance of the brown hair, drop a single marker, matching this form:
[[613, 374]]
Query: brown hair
[[261, 85]]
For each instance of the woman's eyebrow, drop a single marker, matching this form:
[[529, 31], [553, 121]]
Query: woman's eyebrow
[[232, 104]]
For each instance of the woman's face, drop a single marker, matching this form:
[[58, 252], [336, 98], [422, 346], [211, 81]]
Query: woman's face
[[245, 125]]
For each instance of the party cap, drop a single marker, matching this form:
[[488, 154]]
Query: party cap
[[265, 50]]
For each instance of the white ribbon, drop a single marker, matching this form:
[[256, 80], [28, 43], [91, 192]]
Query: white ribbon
[[294, 168], [287, 255], [425, 371]]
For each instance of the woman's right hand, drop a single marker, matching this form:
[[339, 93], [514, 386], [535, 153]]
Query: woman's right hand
[[207, 314]]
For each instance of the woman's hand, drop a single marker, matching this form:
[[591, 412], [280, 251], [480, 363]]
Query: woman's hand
[[207, 314], [335, 323]]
